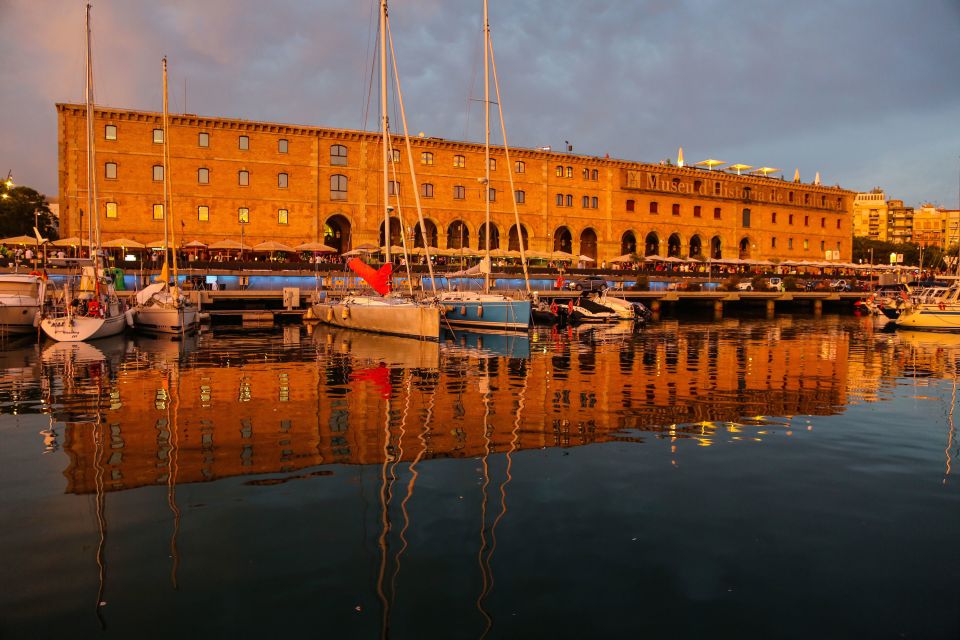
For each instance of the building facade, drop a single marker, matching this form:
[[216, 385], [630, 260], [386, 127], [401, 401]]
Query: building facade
[[257, 181], [870, 215]]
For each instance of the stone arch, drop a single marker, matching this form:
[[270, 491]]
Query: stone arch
[[396, 231], [651, 244], [716, 248], [337, 233], [482, 237], [674, 245], [744, 247], [588, 243], [628, 243], [696, 247], [563, 240], [458, 235], [513, 242], [429, 231]]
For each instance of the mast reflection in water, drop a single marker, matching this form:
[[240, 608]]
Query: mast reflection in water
[[763, 476]]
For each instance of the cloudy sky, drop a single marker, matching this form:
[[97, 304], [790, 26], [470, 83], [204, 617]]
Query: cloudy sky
[[867, 92]]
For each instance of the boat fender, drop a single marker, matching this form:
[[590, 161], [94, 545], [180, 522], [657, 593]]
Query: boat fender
[[329, 314], [942, 306], [463, 310], [345, 313], [480, 311]]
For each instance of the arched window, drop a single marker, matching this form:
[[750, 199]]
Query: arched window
[[519, 167], [588, 243], [628, 243], [482, 237], [569, 200], [716, 248], [430, 233], [338, 155], [586, 173], [673, 246], [585, 201], [458, 236], [520, 196], [696, 248], [563, 240], [594, 174], [338, 187], [559, 199], [559, 171], [513, 243], [569, 172]]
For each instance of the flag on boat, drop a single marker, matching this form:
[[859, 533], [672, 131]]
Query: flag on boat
[[379, 279]]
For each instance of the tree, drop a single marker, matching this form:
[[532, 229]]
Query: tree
[[17, 208]]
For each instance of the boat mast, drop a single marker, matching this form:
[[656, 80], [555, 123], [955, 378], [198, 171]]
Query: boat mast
[[486, 153], [92, 213], [167, 212], [384, 126]]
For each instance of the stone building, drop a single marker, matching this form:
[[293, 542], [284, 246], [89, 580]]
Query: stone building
[[293, 184]]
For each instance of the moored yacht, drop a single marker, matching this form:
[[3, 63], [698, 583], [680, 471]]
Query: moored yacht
[[21, 297]]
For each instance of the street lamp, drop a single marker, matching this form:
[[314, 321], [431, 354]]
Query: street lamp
[[7, 185]]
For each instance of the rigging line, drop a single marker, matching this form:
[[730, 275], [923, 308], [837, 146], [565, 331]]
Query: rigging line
[[384, 522], [373, 66], [483, 505], [473, 81], [172, 471], [101, 504], [952, 429], [403, 503], [387, 239], [413, 170]]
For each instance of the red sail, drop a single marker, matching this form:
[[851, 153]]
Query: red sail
[[378, 279]]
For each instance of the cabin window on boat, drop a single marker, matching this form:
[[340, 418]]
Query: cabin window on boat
[[244, 178], [459, 161], [111, 209], [203, 213], [282, 216], [519, 166], [203, 175], [110, 170], [244, 143], [243, 215], [282, 145], [158, 173], [338, 155], [338, 187], [282, 180], [426, 190], [158, 136], [426, 158], [158, 212], [459, 192], [203, 139], [110, 132], [520, 196]]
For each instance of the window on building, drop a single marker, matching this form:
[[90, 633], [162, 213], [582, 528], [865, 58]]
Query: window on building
[[426, 157], [559, 171], [631, 205], [283, 180], [244, 143], [790, 219], [806, 244], [697, 186], [492, 194], [158, 212], [696, 211], [823, 246], [653, 179], [716, 188], [110, 171], [559, 199], [338, 155], [393, 188], [338, 187], [243, 215], [773, 217], [746, 218], [282, 216], [675, 209], [806, 221], [110, 132], [283, 146], [838, 223], [654, 207], [823, 201], [585, 202], [594, 174], [806, 198], [459, 161], [790, 196], [459, 192], [569, 172], [158, 136], [773, 242], [426, 190], [520, 196], [586, 173], [244, 178], [569, 199], [716, 213], [395, 155], [594, 202], [823, 223], [158, 173], [203, 175], [203, 213], [111, 210], [203, 139], [789, 243], [519, 166], [493, 164]]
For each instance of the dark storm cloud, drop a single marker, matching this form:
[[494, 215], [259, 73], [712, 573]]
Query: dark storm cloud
[[865, 92]]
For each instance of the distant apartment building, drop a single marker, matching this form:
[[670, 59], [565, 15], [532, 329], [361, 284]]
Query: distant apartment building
[[899, 222], [870, 215], [930, 226]]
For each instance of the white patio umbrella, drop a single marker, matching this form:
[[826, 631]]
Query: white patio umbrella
[[272, 245], [124, 243], [315, 247]]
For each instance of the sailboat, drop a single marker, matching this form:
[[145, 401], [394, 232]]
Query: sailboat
[[160, 307], [384, 313], [91, 310], [486, 309]]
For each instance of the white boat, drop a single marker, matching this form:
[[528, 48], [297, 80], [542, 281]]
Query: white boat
[[585, 310], [624, 309], [92, 310], [933, 311], [21, 296], [160, 307]]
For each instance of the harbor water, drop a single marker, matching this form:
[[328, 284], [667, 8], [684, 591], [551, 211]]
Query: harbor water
[[785, 478]]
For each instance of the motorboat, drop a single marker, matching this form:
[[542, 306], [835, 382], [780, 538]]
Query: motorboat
[[21, 297], [936, 309], [585, 310]]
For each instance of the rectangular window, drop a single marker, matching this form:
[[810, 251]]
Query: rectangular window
[[631, 205], [426, 190], [823, 223], [696, 211], [569, 172], [806, 221], [395, 155], [838, 223], [789, 243], [569, 199], [110, 132], [773, 217], [158, 136], [158, 173], [790, 219], [426, 158], [393, 188], [111, 209], [675, 210], [338, 155], [459, 161], [654, 207], [520, 166], [823, 246], [520, 196], [492, 194], [244, 178], [244, 143], [203, 175], [716, 213], [282, 146], [459, 192], [282, 216], [493, 164], [806, 245], [773, 242], [559, 199], [243, 215], [594, 202], [158, 212], [110, 171], [746, 218], [282, 180], [203, 213], [559, 171], [203, 139], [716, 188], [585, 202]]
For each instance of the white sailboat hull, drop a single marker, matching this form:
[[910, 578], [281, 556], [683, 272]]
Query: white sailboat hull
[[72, 328], [388, 317], [174, 320]]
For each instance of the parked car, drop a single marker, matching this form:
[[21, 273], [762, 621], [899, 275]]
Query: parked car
[[745, 285], [841, 285], [775, 284], [589, 283]]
